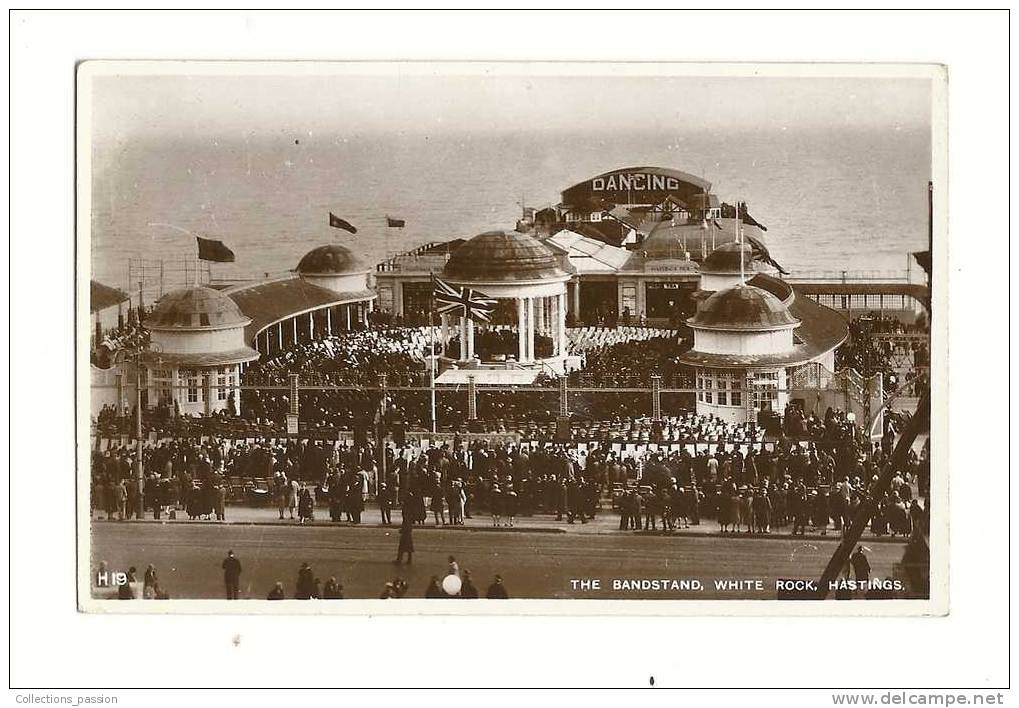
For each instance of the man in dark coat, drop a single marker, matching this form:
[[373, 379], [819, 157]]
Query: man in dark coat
[[305, 587], [861, 566], [232, 575], [497, 591], [385, 504], [406, 540], [467, 589]]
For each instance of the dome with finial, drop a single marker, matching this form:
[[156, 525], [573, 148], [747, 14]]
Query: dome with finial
[[743, 307], [195, 308], [331, 259], [503, 256], [725, 260]]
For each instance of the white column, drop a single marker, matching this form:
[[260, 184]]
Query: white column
[[347, 308], [531, 306], [329, 321], [444, 322], [463, 339], [280, 327], [554, 324], [521, 336], [311, 325], [294, 320], [470, 337], [576, 300]]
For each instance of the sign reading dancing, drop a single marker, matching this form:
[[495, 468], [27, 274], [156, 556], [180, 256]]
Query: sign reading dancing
[[635, 181]]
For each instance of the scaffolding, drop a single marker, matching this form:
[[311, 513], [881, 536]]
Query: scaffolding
[[152, 278]]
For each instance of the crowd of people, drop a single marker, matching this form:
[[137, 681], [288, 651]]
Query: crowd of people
[[130, 336], [746, 486], [903, 363], [762, 505]]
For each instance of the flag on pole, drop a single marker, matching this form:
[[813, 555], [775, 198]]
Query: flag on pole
[[338, 223], [760, 252], [461, 301], [395, 223], [212, 250]]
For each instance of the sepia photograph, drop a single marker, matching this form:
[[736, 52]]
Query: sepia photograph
[[562, 334], [488, 353]]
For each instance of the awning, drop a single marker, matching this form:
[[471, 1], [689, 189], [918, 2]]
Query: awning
[[200, 360], [104, 296]]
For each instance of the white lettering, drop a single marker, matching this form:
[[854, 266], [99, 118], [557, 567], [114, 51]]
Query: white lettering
[[635, 181]]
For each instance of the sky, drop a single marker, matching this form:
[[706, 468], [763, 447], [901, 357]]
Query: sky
[[179, 106]]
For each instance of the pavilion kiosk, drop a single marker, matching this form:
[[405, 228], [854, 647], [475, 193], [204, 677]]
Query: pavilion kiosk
[[197, 348]]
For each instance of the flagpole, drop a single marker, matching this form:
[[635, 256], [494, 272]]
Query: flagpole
[[739, 237], [431, 358]]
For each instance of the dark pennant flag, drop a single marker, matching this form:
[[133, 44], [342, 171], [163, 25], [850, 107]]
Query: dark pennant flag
[[338, 223], [212, 250], [395, 223], [761, 253]]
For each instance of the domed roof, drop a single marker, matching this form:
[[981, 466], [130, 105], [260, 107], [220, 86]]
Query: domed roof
[[743, 307], [726, 259], [331, 259], [195, 308], [498, 256]]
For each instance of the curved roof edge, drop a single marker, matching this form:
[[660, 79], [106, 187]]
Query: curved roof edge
[[270, 302], [667, 171], [201, 359]]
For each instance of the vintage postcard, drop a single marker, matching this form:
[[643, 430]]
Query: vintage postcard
[[581, 338]]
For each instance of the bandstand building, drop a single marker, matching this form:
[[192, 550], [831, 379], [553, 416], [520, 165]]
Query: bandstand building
[[527, 332]]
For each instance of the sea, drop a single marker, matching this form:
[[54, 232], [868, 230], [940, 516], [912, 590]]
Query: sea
[[832, 200]]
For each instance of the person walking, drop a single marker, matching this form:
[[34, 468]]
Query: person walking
[[282, 493], [231, 575], [220, 502], [861, 566], [120, 495], [306, 505], [385, 504], [406, 540], [293, 489]]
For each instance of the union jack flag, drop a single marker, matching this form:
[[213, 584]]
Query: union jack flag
[[463, 302]]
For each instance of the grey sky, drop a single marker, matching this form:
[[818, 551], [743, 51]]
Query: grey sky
[[234, 106]]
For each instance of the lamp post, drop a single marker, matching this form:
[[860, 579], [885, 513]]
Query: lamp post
[[139, 464]]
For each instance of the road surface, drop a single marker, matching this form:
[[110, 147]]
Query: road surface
[[534, 565]]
